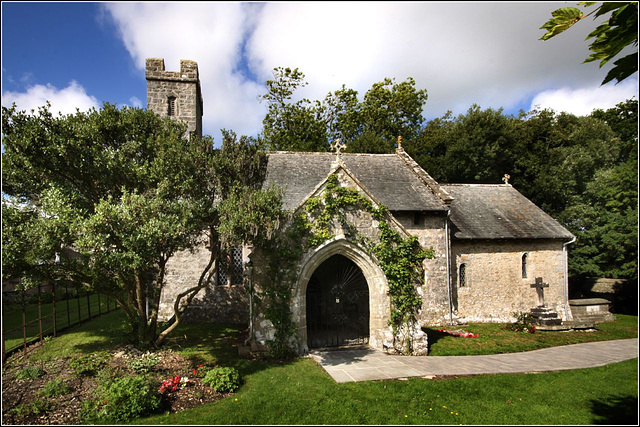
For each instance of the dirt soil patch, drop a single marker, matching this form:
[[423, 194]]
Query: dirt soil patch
[[23, 402]]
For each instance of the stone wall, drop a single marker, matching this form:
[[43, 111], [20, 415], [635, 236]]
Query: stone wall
[[495, 288], [430, 229], [214, 303], [380, 335], [184, 85]]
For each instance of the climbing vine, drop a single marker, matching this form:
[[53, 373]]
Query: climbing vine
[[400, 259]]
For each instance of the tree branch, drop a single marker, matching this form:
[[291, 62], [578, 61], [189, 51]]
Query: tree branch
[[178, 308]]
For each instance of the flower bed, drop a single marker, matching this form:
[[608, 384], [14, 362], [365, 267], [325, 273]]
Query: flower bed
[[27, 401], [458, 333]]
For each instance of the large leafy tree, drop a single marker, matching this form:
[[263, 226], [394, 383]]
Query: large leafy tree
[[474, 147], [103, 199], [605, 216], [580, 170], [610, 37], [288, 125], [371, 125]]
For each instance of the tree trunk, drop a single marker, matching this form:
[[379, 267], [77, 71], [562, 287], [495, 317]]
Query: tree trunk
[[178, 307]]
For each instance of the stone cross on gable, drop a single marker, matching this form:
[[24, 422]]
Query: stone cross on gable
[[506, 178], [540, 285], [337, 146]]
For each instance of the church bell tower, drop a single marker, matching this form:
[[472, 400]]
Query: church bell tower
[[175, 94]]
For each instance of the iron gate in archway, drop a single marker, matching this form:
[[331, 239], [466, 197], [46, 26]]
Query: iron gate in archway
[[337, 305]]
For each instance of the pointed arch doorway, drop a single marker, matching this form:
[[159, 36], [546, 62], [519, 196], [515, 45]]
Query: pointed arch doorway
[[337, 305]]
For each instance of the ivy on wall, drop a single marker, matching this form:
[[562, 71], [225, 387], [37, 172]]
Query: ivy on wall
[[399, 258]]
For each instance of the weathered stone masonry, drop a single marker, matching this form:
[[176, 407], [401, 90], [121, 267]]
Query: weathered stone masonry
[[495, 288], [183, 86], [488, 228]]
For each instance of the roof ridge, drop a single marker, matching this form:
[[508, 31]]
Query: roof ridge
[[431, 183], [329, 153], [478, 185]]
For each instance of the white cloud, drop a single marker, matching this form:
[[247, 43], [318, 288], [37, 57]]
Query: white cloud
[[461, 53], [135, 102], [583, 101], [63, 101], [210, 34]]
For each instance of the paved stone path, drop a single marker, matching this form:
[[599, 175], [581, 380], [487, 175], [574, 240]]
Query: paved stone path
[[370, 364]]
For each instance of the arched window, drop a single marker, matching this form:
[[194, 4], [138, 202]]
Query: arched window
[[172, 110], [462, 275], [524, 266]]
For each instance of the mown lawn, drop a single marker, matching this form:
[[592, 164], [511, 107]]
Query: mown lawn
[[300, 392], [68, 312], [495, 339]]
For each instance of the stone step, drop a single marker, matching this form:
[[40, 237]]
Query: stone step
[[541, 311], [547, 322], [545, 316], [552, 315], [566, 326]]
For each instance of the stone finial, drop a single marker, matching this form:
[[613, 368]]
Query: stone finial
[[506, 178], [399, 142], [337, 146]]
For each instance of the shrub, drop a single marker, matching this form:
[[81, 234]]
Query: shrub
[[523, 323], [88, 365], [223, 380], [120, 401], [108, 374], [36, 407], [144, 364], [55, 388], [201, 371], [30, 373]]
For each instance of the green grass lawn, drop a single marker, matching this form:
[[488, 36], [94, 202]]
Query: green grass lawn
[[494, 339], [66, 315], [301, 392]]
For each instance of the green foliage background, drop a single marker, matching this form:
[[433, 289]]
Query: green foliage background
[[581, 170]]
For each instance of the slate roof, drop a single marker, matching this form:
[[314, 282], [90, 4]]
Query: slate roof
[[483, 211], [478, 211], [386, 176]]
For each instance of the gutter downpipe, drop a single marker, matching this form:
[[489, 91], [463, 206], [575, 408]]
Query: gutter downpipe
[[448, 244], [249, 271], [567, 309]]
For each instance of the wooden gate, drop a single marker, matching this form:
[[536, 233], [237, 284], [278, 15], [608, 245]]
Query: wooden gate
[[337, 305]]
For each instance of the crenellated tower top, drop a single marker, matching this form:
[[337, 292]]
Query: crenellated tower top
[[175, 94]]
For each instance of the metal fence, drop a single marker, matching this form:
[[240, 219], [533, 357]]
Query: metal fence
[[31, 316]]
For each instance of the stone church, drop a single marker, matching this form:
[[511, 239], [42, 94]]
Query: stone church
[[496, 253]]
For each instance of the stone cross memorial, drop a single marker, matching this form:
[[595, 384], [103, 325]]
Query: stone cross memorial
[[540, 285]]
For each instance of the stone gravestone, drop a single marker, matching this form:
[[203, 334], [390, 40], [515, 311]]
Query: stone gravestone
[[541, 314], [540, 285]]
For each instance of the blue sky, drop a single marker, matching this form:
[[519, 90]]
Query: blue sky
[[56, 43], [84, 54]]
